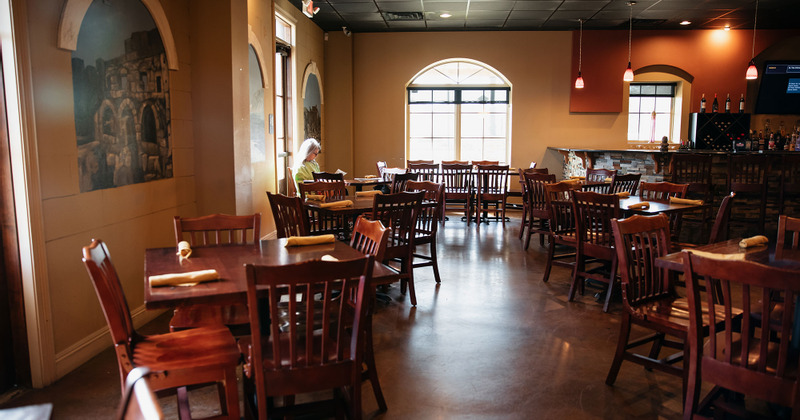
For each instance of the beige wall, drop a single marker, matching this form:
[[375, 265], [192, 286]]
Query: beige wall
[[533, 62], [210, 140], [338, 117]]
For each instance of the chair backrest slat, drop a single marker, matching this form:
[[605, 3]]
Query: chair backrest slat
[[370, 237], [219, 229], [328, 176], [290, 217], [559, 202]]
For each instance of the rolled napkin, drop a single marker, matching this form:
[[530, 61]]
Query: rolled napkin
[[183, 279], [623, 194], [315, 197], [368, 193], [341, 203], [728, 257], [309, 240], [644, 205], [678, 200], [370, 176], [577, 177], [753, 241], [184, 249]]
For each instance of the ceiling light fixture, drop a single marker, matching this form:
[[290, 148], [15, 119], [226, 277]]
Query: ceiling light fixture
[[685, 22], [752, 71], [445, 15], [579, 80], [628, 76], [727, 27]]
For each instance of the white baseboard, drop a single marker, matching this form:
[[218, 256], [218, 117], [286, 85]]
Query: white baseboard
[[82, 351]]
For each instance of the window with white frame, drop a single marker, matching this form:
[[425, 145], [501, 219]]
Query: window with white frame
[[650, 111], [458, 110]]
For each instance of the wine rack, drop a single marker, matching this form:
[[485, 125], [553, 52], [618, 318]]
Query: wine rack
[[717, 131]]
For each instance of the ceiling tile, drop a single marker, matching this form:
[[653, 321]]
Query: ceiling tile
[[491, 5], [487, 14], [530, 14], [356, 7], [486, 23]]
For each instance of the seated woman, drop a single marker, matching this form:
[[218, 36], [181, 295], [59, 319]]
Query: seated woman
[[306, 163]]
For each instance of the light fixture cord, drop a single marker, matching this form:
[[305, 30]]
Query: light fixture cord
[[630, 30], [580, 46], [755, 20]]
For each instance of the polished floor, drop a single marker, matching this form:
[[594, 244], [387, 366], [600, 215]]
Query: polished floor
[[492, 341]]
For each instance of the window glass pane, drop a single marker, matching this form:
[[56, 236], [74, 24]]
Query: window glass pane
[[443, 96], [633, 127], [471, 149], [420, 96], [662, 126], [664, 105], [472, 108], [644, 128], [443, 125], [421, 108], [420, 148], [496, 108], [421, 125], [648, 89], [440, 108], [634, 102], [471, 96], [501, 95], [648, 104], [494, 149], [664, 90], [495, 126], [471, 125], [635, 89], [443, 149]]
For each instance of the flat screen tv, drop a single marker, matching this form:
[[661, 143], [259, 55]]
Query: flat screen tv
[[779, 92]]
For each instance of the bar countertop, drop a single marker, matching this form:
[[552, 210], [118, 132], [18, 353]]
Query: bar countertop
[[672, 150]]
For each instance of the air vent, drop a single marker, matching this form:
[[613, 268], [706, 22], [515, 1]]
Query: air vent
[[395, 16]]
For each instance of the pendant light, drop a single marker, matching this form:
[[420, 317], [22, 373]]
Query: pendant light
[[579, 80], [628, 77], [752, 71]]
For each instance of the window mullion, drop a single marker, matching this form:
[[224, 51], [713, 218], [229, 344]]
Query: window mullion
[[457, 130]]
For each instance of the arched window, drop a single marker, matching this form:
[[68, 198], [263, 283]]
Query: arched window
[[458, 110]]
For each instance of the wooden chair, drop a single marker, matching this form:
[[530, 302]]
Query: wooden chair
[[399, 181], [741, 355], [477, 163], [195, 356], [370, 237], [599, 177], [649, 299], [328, 177], [525, 207], [625, 183], [455, 162], [492, 189], [457, 179], [322, 223], [662, 192], [747, 175], [215, 230], [788, 234], [561, 220], [537, 214], [789, 181], [428, 223], [426, 171], [315, 319], [418, 162], [139, 402], [291, 185], [593, 214], [381, 165], [695, 170], [398, 212], [289, 214], [218, 229]]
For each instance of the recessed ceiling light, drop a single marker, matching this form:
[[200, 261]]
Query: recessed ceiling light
[[685, 22], [727, 27], [445, 15]]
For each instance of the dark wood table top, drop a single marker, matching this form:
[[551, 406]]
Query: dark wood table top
[[360, 205], [761, 254], [656, 207], [365, 181], [229, 262]]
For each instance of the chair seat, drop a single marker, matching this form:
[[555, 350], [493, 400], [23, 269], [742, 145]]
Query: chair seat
[[189, 349], [674, 312]]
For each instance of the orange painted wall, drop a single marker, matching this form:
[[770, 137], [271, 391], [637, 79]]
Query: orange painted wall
[[717, 59]]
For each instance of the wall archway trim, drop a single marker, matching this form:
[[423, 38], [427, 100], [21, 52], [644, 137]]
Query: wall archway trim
[[312, 68], [74, 11], [663, 68], [253, 40]]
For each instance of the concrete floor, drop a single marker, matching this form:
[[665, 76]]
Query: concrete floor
[[491, 342]]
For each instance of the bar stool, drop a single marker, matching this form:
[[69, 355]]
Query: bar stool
[[747, 175], [790, 181]]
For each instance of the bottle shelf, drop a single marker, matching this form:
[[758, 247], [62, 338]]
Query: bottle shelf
[[717, 131]]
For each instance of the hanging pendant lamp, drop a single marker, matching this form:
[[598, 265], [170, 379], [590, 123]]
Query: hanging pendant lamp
[[579, 80], [628, 76], [752, 71]]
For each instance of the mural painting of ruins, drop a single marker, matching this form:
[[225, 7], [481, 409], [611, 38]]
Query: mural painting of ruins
[[121, 91]]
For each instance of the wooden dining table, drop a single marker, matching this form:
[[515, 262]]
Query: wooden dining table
[[360, 183], [656, 207], [229, 261], [762, 254]]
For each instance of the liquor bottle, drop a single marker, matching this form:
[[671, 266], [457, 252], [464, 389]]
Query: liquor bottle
[[703, 104], [728, 104], [741, 104], [771, 143], [715, 104]]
